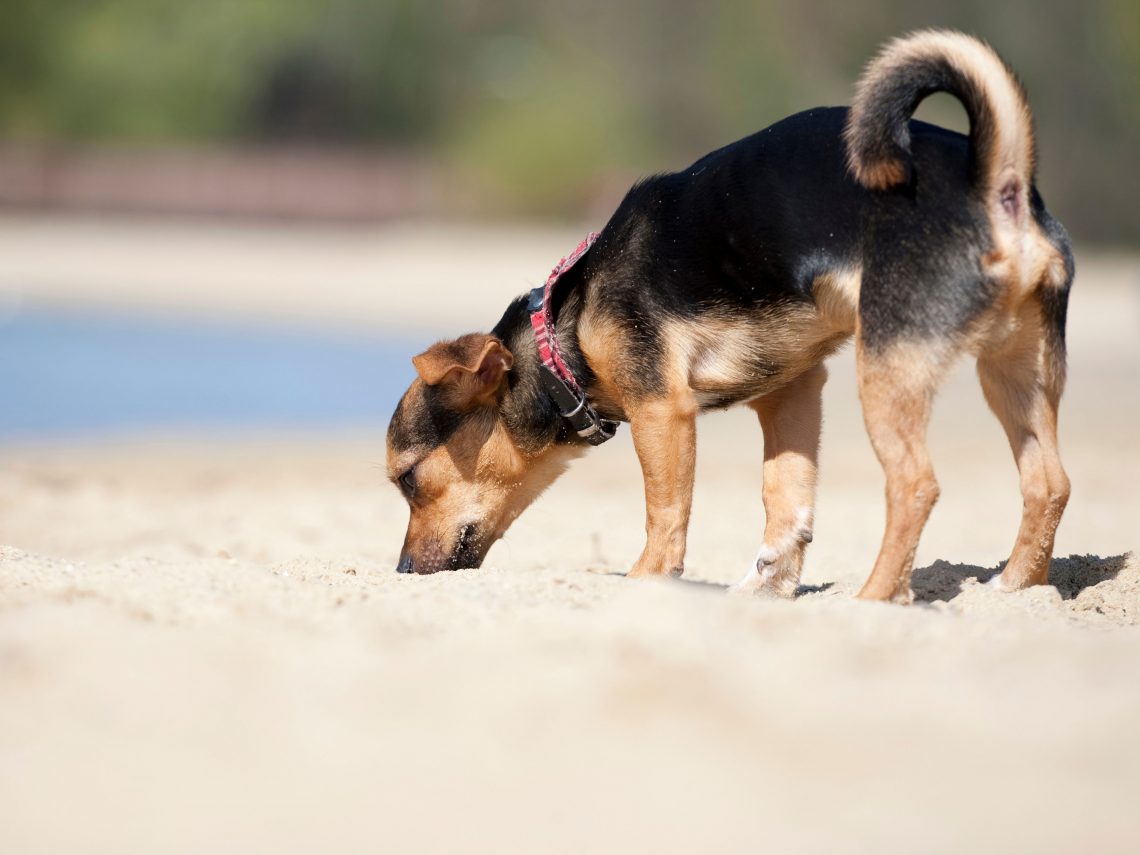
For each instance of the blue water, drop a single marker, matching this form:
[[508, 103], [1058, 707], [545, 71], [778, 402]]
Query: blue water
[[66, 374]]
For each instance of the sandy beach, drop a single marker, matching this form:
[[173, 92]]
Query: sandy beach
[[204, 647]]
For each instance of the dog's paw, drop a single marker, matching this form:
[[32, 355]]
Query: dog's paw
[[764, 581], [644, 572], [774, 573]]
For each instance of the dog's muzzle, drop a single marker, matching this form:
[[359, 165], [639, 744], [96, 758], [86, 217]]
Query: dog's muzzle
[[466, 554]]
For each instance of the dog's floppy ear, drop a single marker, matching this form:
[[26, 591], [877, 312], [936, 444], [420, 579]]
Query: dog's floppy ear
[[472, 368]]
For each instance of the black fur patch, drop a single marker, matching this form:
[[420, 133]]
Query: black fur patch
[[423, 420], [923, 248], [527, 411], [1055, 301]]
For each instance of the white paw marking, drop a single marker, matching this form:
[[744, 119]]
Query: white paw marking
[[765, 572], [996, 583], [751, 582], [803, 519]]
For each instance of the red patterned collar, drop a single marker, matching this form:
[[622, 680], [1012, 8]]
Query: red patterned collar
[[559, 380]]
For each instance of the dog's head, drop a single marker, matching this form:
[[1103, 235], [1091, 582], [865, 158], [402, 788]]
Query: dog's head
[[452, 455]]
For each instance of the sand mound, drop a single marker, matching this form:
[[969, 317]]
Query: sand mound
[[1083, 588], [225, 705]]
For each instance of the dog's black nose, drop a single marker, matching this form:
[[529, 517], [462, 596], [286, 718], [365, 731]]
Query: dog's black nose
[[406, 565]]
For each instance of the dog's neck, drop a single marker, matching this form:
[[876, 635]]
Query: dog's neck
[[528, 411]]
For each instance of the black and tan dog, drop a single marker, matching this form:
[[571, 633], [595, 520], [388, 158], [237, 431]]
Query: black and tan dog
[[729, 283]]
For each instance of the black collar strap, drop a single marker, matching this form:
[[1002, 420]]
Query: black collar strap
[[557, 378]]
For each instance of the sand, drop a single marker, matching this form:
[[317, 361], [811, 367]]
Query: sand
[[203, 647]]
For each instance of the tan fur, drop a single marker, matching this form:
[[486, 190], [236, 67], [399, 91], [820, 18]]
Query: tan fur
[[730, 355], [878, 174], [472, 368], [602, 342], [836, 295], [665, 437], [790, 419], [479, 476], [1022, 262], [1022, 380], [1022, 376], [1022, 267], [897, 389]]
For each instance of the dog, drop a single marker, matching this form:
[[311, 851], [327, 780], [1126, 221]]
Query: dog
[[730, 282]]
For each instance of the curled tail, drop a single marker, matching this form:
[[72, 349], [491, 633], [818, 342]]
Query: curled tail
[[917, 65]]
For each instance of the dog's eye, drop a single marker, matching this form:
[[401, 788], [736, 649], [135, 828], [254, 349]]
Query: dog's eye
[[408, 482]]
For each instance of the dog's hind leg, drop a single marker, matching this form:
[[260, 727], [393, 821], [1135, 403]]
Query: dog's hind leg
[[896, 386], [790, 418], [1022, 383], [665, 437]]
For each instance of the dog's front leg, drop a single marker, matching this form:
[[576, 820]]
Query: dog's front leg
[[665, 436], [790, 418]]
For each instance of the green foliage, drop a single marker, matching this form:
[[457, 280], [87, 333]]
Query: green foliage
[[536, 155], [532, 99], [155, 70]]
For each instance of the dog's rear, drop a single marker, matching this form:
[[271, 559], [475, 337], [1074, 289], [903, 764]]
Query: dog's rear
[[1004, 302]]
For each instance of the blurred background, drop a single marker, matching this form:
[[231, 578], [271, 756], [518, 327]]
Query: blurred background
[[230, 215], [225, 228]]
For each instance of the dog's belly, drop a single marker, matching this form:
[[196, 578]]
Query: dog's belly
[[728, 358]]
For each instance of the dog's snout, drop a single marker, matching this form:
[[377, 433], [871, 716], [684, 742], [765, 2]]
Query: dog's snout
[[406, 565]]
